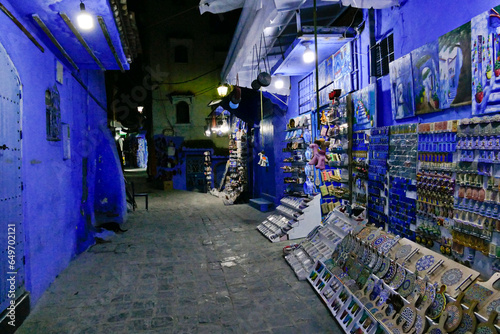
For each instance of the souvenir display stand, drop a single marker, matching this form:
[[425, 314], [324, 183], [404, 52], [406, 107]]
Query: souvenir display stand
[[295, 218], [320, 242]]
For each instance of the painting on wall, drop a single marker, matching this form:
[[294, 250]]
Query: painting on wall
[[402, 87], [342, 69], [455, 67], [485, 58], [365, 108], [426, 86]]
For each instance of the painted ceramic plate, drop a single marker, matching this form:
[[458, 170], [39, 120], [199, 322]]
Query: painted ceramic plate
[[384, 267], [391, 273], [387, 245], [379, 241], [437, 307], [364, 233], [372, 236], [451, 277], [466, 325], [408, 285], [408, 314], [403, 251], [493, 306], [399, 278], [430, 293], [378, 264], [454, 317], [477, 293], [425, 262]]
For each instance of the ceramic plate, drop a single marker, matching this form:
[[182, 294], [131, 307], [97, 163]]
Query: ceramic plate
[[391, 273], [451, 277], [403, 251], [399, 278], [384, 267], [425, 262], [408, 285], [437, 307]]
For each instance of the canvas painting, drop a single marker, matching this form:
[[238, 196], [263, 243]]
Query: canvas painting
[[322, 74], [485, 58], [342, 69], [329, 70], [364, 106], [402, 87], [455, 67], [426, 86]]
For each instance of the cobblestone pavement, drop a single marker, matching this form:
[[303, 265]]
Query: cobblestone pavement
[[188, 265]]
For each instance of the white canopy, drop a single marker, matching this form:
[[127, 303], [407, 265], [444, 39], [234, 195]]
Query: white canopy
[[220, 6]]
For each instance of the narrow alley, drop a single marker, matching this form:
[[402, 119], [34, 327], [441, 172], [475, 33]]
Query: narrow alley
[[188, 265]]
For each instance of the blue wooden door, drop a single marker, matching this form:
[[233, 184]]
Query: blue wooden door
[[11, 214]]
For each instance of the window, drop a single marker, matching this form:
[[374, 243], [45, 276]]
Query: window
[[382, 54], [181, 54], [182, 112]]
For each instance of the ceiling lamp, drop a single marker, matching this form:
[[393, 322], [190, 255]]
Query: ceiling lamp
[[308, 56], [207, 131], [222, 90], [279, 83], [84, 19], [140, 109]]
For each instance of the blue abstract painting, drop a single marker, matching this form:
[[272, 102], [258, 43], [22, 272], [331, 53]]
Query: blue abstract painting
[[455, 67], [426, 86], [342, 69], [485, 58], [364, 106], [401, 77]]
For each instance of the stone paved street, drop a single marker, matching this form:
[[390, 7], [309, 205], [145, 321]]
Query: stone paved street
[[188, 265]]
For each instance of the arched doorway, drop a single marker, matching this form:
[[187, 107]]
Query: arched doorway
[[11, 212]]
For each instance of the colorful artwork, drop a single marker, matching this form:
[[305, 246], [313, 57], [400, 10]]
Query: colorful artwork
[[493, 306], [426, 87], [402, 88], [342, 69], [365, 108], [425, 262], [325, 72], [403, 251], [485, 57], [408, 285], [477, 293], [451, 277], [455, 67], [437, 307], [467, 325]]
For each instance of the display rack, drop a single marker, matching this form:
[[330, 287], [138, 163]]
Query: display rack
[[207, 167], [236, 179], [320, 242], [335, 179], [377, 177]]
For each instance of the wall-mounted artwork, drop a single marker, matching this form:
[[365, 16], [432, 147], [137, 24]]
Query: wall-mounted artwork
[[342, 69], [455, 67], [364, 102], [53, 114], [426, 86], [485, 57], [402, 88]]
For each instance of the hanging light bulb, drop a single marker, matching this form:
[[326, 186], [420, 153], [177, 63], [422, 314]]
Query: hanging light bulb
[[207, 131], [308, 56], [224, 128], [84, 19], [279, 83], [222, 90]]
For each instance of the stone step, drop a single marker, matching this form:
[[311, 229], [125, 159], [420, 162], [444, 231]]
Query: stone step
[[261, 204]]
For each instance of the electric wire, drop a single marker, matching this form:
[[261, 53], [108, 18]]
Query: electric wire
[[190, 80]]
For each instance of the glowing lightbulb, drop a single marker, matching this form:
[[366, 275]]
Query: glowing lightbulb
[[308, 55], [84, 19]]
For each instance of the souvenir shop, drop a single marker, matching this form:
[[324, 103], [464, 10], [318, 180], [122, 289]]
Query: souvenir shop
[[392, 181]]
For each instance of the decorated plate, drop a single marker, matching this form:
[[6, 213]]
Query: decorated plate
[[403, 251], [378, 264], [493, 306], [374, 260], [364, 233], [387, 245], [451, 277], [430, 293], [425, 262], [420, 286], [419, 324], [409, 314], [454, 317], [408, 285], [384, 267], [372, 235], [477, 293], [466, 325], [399, 278], [391, 272], [437, 307], [379, 241]]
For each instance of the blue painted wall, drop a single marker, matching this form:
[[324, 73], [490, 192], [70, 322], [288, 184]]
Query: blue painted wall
[[59, 198]]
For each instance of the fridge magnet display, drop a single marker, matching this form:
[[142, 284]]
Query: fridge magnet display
[[365, 103], [485, 62], [401, 77], [342, 68], [455, 67], [425, 66]]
